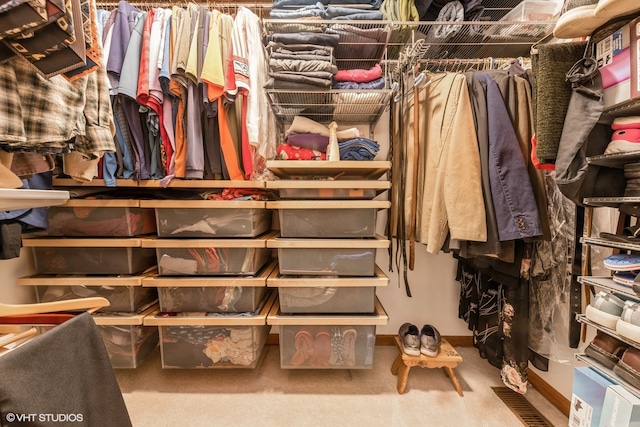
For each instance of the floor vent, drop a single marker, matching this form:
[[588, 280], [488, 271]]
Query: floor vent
[[521, 407]]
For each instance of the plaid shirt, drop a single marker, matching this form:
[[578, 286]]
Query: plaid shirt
[[44, 115]]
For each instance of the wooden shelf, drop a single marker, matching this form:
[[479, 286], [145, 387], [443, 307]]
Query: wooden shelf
[[14, 199], [380, 317], [342, 170]]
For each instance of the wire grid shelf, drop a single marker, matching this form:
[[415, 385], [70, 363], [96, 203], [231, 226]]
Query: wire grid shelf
[[343, 106]]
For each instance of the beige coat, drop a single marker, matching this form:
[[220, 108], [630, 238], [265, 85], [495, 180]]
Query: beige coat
[[449, 183]]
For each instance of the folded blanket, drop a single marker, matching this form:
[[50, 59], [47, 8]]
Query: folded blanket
[[312, 141]]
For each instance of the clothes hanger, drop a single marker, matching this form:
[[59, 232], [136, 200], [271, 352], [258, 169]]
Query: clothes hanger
[[14, 338], [89, 304]]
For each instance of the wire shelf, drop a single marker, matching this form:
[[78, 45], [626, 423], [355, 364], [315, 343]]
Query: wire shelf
[[342, 106]]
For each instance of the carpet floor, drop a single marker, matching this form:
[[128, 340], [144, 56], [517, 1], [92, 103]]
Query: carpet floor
[[271, 396]]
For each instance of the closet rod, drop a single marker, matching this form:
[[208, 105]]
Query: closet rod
[[169, 3], [468, 64]]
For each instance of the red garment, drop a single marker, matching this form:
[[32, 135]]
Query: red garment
[[359, 76], [289, 152], [536, 161]]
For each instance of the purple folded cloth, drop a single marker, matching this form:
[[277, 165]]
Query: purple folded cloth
[[312, 141]]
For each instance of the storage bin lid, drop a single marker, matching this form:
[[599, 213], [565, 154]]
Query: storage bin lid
[[82, 242], [81, 280], [123, 319], [204, 204], [379, 318], [255, 242], [200, 183], [279, 281], [329, 204], [101, 203], [330, 184], [211, 281], [291, 243], [343, 169], [221, 320]]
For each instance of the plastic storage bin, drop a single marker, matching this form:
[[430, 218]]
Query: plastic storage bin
[[91, 256], [197, 342], [328, 219], [128, 342], [209, 257], [327, 294], [326, 189], [210, 218], [124, 293], [327, 257], [327, 341], [533, 18], [227, 294], [100, 218]]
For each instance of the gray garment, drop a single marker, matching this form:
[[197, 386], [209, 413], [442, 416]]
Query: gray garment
[[301, 78], [309, 11], [374, 4], [582, 137], [351, 13], [281, 65], [302, 47], [72, 360], [301, 57], [305, 38]]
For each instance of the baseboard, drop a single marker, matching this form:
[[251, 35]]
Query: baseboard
[[551, 394], [382, 340]]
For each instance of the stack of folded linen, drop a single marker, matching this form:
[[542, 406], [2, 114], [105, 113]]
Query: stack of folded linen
[[306, 139]]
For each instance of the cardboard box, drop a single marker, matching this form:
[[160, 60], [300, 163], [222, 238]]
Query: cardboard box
[[635, 58], [621, 408], [587, 397], [617, 93], [609, 47]]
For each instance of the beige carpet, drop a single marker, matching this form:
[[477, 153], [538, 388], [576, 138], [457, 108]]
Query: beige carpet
[[271, 396]]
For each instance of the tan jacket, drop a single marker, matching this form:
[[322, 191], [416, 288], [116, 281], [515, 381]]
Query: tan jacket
[[449, 183]]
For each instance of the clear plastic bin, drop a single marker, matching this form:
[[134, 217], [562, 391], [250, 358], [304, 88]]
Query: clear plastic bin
[[100, 218], [90, 256], [328, 219], [233, 294], [124, 293], [327, 342], [327, 257], [128, 342], [210, 342], [210, 218], [121, 298]]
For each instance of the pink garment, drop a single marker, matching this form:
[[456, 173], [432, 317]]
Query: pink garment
[[359, 76]]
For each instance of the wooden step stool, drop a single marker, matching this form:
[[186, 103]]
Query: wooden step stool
[[447, 359]]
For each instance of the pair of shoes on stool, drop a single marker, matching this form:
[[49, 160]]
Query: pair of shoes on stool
[[414, 342]]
